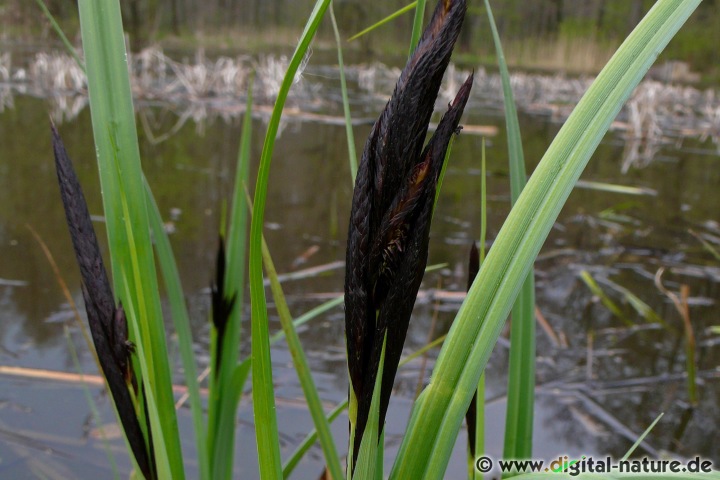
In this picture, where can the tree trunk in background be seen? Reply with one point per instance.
(134, 25)
(600, 15)
(256, 12)
(277, 12)
(521, 23)
(558, 14)
(474, 18)
(174, 19)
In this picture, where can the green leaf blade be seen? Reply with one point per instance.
(482, 314)
(127, 222)
(181, 321)
(303, 370)
(263, 392)
(417, 25)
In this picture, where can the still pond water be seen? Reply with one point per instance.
(602, 378)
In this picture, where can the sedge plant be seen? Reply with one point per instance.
(437, 415)
(389, 227)
(392, 206)
(521, 371)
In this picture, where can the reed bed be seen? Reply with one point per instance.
(658, 113)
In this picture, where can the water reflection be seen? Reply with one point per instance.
(204, 89)
(601, 382)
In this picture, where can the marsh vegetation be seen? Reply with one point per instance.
(605, 366)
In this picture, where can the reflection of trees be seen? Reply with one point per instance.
(308, 206)
(204, 90)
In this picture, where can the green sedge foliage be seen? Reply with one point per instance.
(521, 372)
(387, 19)
(113, 114)
(128, 226)
(322, 425)
(266, 432)
(352, 155)
(228, 377)
(475, 416)
(131, 216)
(438, 413)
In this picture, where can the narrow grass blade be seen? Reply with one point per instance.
(682, 307)
(380, 458)
(514, 138)
(311, 437)
(421, 351)
(642, 437)
(289, 326)
(476, 410)
(146, 403)
(367, 456)
(309, 440)
(521, 376)
(225, 344)
(604, 298)
(385, 20)
(309, 315)
(181, 321)
(352, 154)
(124, 201)
(418, 22)
(521, 371)
(640, 307)
(483, 205)
(475, 416)
(441, 177)
(614, 188)
(238, 231)
(303, 370)
(438, 415)
(223, 304)
(223, 451)
(263, 393)
(715, 253)
(68, 46)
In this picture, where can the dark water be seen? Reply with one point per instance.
(593, 403)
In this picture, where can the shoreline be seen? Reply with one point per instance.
(657, 113)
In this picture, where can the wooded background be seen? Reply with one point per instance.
(605, 22)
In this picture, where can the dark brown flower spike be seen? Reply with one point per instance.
(221, 305)
(471, 415)
(391, 212)
(108, 324)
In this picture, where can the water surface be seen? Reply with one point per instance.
(598, 389)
